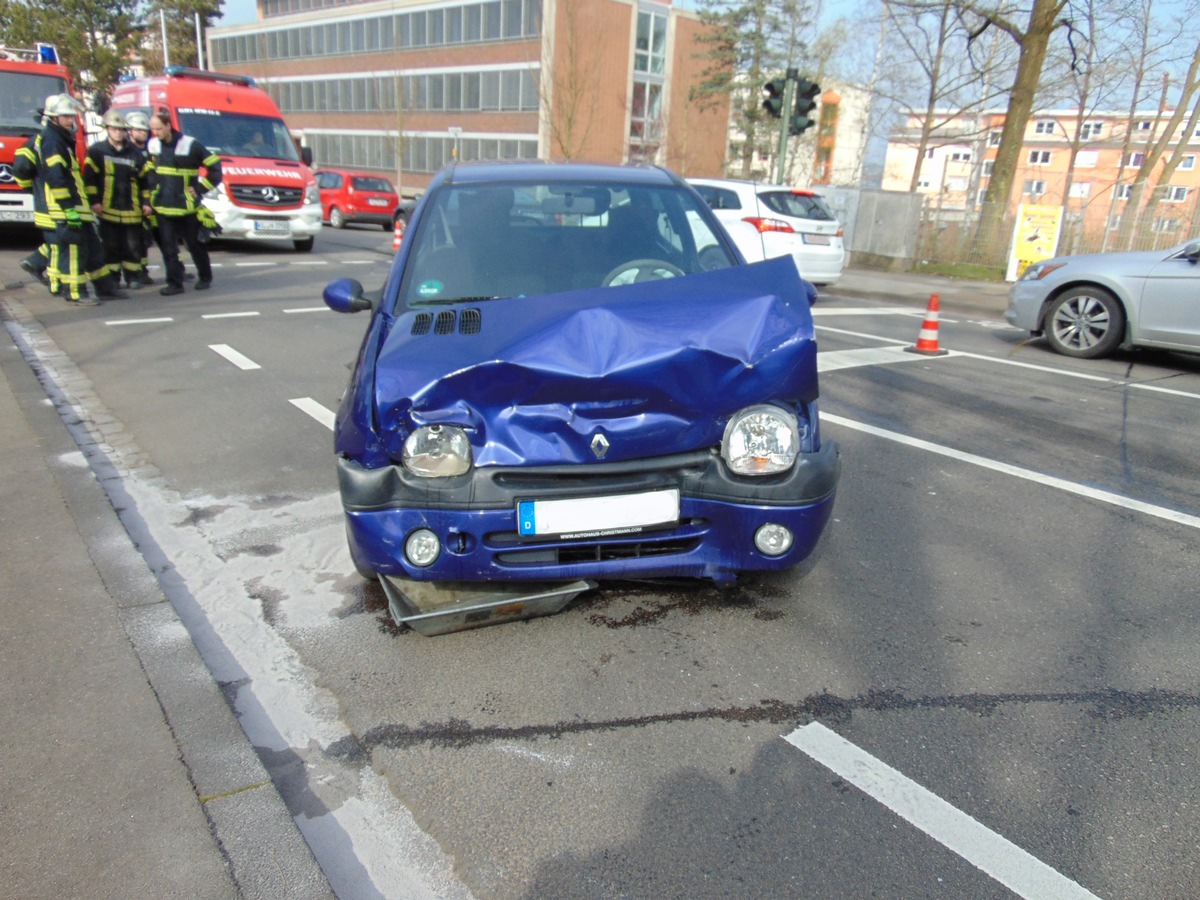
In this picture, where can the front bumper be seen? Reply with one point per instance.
(245, 223)
(1026, 300)
(475, 519)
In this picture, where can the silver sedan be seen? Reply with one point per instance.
(1088, 306)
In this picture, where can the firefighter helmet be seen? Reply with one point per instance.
(137, 120)
(62, 105)
(113, 119)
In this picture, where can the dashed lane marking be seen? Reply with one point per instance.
(139, 321)
(996, 856)
(229, 315)
(242, 362)
(307, 309)
(308, 405)
(1070, 487)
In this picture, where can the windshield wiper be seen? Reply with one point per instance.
(449, 301)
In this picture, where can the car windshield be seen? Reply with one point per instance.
(20, 94)
(236, 134)
(800, 206)
(380, 185)
(477, 241)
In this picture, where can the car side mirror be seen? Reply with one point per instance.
(346, 296)
(306, 155)
(1192, 252)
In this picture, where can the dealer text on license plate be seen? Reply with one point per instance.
(585, 517)
(817, 239)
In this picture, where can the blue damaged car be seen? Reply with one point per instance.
(571, 375)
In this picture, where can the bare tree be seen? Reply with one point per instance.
(570, 90)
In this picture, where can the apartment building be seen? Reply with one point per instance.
(405, 86)
(1085, 163)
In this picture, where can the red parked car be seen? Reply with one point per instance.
(354, 197)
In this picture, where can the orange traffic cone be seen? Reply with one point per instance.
(397, 234)
(927, 340)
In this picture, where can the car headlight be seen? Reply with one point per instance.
(437, 451)
(1040, 270)
(312, 193)
(761, 440)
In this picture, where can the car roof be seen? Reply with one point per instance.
(753, 185)
(492, 171)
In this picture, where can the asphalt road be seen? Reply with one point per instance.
(986, 687)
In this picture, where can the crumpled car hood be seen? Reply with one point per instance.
(657, 367)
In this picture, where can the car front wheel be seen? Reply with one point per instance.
(336, 219)
(1085, 322)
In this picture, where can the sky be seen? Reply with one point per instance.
(238, 12)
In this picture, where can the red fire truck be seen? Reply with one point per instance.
(27, 78)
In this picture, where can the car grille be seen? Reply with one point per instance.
(597, 551)
(253, 195)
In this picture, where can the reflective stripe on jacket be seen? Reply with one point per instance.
(176, 177)
(115, 179)
(26, 162)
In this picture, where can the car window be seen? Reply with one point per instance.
(800, 206)
(329, 180)
(718, 198)
(483, 241)
(363, 183)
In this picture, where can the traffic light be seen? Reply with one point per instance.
(773, 91)
(806, 102)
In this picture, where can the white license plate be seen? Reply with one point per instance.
(585, 517)
(19, 215)
(821, 239)
(271, 226)
(373, 202)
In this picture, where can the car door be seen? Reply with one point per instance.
(1170, 309)
(328, 183)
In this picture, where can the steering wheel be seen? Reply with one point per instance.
(641, 270)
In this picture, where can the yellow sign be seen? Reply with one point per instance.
(1035, 237)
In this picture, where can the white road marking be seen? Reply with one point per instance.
(309, 309)
(309, 262)
(1163, 390)
(248, 265)
(359, 262)
(859, 334)
(871, 356)
(234, 357)
(865, 311)
(307, 404)
(1016, 869)
(138, 321)
(1082, 490)
(229, 315)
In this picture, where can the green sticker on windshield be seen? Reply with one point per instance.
(430, 288)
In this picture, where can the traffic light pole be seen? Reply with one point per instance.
(789, 98)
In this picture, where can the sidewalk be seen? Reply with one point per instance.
(903, 287)
(123, 772)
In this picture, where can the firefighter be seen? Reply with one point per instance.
(116, 174)
(26, 161)
(177, 188)
(77, 257)
(139, 134)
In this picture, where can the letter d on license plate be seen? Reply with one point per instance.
(582, 517)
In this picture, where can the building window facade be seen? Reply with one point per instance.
(1039, 157)
(649, 67)
(465, 24)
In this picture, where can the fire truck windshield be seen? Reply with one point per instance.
(21, 94)
(236, 134)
